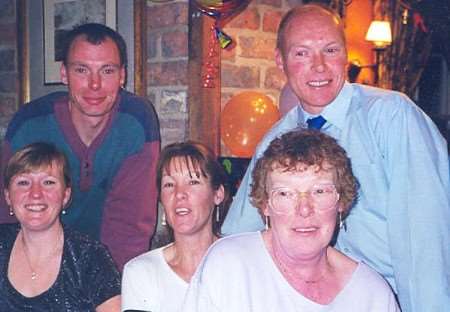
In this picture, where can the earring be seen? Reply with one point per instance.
(217, 213)
(342, 224)
(266, 223)
(11, 212)
(64, 208)
(163, 219)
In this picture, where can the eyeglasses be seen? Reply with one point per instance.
(323, 197)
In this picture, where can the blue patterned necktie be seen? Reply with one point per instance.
(316, 122)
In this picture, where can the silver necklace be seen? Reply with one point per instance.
(288, 273)
(34, 274)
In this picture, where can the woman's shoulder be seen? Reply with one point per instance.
(79, 240)
(369, 276)
(368, 291)
(237, 249)
(92, 262)
(237, 242)
(146, 260)
(81, 246)
(356, 272)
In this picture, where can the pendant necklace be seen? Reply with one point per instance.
(34, 274)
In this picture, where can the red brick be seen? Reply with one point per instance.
(271, 20)
(248, 19)
(152, 44)
(274, 3)
(275, 78)
(167, 73)
(228, 54)
(170, 14)
(239, 76)
(253, 47)
(174, 44)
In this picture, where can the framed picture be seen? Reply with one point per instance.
(60, 16)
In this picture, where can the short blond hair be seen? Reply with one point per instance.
(36, 156)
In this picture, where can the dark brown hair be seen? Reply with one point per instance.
(95, 33)
(203, 162)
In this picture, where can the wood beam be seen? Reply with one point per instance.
(203, 102)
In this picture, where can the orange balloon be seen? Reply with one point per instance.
(245, 119)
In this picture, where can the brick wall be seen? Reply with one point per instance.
(167, 52)
(8, 63)
(167, 69)
(250, 65)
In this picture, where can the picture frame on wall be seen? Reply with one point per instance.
(59, 17)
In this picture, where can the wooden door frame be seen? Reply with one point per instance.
(204, 103)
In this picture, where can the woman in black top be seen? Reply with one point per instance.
(45, 266)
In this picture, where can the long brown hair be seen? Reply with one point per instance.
(203, 162)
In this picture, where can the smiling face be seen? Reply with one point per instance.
(188, 198)
(37, 197)
(94, 76)
(305, 232)
(314, 57)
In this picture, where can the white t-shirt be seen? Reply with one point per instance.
(239, 275)
(149, 284)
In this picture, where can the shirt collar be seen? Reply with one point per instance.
(336, 111)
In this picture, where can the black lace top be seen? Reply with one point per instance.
(87, 276)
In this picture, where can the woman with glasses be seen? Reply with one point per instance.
(303, 188)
